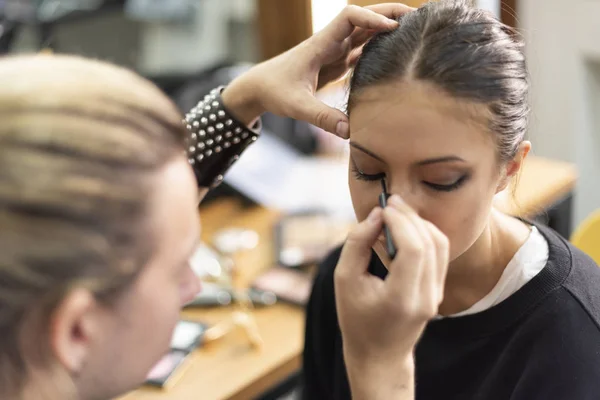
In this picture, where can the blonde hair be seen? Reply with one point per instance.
(79, 142)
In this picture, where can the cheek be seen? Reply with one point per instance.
(461, 216)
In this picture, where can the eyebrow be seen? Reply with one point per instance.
(420, 163)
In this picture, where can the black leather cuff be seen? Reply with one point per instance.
(216, 139)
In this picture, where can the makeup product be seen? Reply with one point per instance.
(187, 335)
(305, 238)
(211, 295)
(289, 285)
(165, 372)
(389, 244)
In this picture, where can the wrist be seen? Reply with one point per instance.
(380, 379)
(241, 100)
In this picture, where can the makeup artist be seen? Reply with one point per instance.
(98, 209)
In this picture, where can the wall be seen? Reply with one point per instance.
(563, 52)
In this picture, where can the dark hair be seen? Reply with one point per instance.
(462, 50)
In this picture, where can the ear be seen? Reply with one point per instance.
(73, 329)
(512, 167)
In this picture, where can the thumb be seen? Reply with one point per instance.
(356, 253)
(314, 111)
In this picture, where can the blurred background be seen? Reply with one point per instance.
(275, 211)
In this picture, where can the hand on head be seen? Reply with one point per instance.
(286, 84)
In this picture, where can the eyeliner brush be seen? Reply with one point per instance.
(391, 249)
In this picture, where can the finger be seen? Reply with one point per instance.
(443, 256)
(356, 253)
(353, 16)
(429, 285)
(354, 56)
(391, 10)
(405, 270)
(360, 37)
(314, 111)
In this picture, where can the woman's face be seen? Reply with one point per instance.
(133, 335)
(431, 152)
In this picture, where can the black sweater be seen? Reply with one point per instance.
(542, 343)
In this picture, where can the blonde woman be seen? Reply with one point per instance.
(98, 202)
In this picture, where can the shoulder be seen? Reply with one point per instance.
(582, 278)
(583, 284)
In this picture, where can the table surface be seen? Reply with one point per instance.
(230, 368)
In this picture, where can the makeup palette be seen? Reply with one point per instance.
(163, 374)
(186, 337)
(306, 238)
(288, 285)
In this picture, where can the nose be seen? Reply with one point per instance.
(402, 189)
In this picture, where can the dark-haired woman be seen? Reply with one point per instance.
(475, 304)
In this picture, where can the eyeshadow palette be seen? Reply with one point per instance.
(165, 372)
(306, 238)
(187, 335)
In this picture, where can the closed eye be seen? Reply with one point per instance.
(447, 188)
(361, 176)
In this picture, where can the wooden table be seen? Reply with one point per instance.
(230, 369)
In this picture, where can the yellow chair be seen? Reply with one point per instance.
(587, 236)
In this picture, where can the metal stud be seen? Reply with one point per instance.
(192, 149)
(215, 104)
(192, 161)
(238, 130)
(245, 135)
(196, 124)
(203, 121)
(214, 91)
(233, 160)
(228, 134)
(188, 127)
(201, 146)
(207, 108)
(226, 145)
(219, 138)
(212, 117)
(219, 126)
(236, 140)
(221, 113)
(202, 133)
(194, 136)
(254, 138)
(210, 130)
(218, 149)
(208, 152)
(200, 157)
(209, 142)
(229, 122)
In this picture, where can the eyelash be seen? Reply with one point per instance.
(440, 188)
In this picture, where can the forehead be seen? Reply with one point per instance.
(419, 120)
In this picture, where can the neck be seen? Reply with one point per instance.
(474, 274)
(46, 387)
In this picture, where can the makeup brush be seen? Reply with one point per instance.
(391, 249)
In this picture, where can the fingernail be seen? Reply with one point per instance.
(396, 200)
(342, 129)
(391, 22)
(373, 216)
